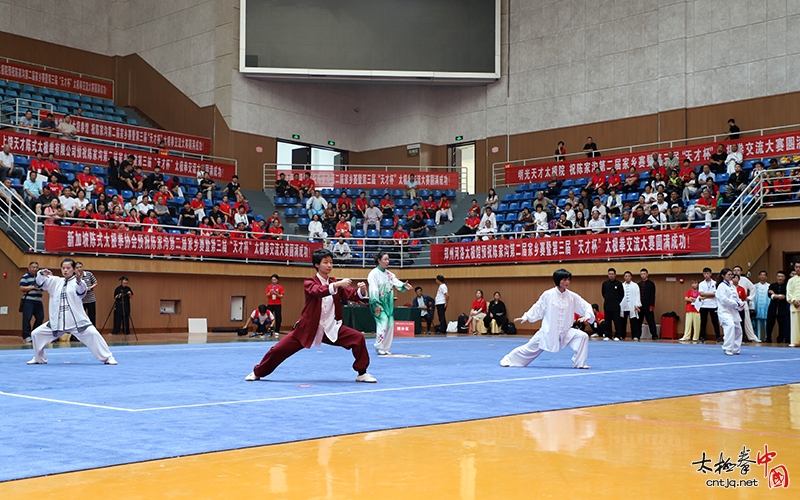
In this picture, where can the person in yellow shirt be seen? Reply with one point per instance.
(793, 297)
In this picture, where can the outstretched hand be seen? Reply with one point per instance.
(584, 319)
(47, 272)
(345, 282)
(519, 320)
(362, 286)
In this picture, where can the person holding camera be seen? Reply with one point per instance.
(122, 307)
(263, 320)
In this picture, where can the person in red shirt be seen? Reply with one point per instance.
(469, 227)
(162, 148)
(174, 186)
(220, 229)
(781, 187)
(258, 229)
(296, 183)
(53, 168)
(308, 186)
(205, 227)
(598, 180)
(430, 208)
(150, 221)
(686, 170)
(344, 205)
(276, 230)
(414, 211)
(199, 206)
(477, 313)
(401, 240)
(442, 209)
(275, 216)
(87, 181)
(164, 195)
(100, 215)
(614, 180)
(54, 185)
(361, 205)
(226, 208)
(631, 183)
(387, 206)
(240, 232)
(706, 206)
(240, 204)
(275, 293)
(39, 165)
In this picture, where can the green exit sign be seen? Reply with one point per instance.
(459, 137)
(295, 136)
(331, 143)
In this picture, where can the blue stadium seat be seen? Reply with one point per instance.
(503, 207)
(526, 204)
(303, 221)
(424, 193)
(327, 193)
(386, 222)
(373, 233)
(430, 223)
(290, 212)
(387, 233)
(111, 192)
(302, 212)
(358, 233)
(722, 178)
(291, 200)
(374, 193)
(513, 207)
(437, 193)
(614, 221)
(396, 193)
(521, 188)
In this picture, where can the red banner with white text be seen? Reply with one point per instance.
(69, 239)
(756, 147)
(375, 179)
(142, 136)
(587, 247)
(96, 154)
(56, 80)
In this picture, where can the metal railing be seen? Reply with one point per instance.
(270, 172)
(18, 219)
(50, 68)
(20, 106)
(499, 167)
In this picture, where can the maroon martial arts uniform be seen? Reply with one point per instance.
(312, 328)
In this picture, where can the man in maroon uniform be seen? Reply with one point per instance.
(321, 321)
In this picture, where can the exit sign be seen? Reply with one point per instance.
(295, 136)
(331, 143)
(459, 138)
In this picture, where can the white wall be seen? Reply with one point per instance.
(566, 62)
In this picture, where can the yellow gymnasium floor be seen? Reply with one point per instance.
(645, 450)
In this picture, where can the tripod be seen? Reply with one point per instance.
(125, 319)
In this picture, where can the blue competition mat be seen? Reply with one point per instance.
(171, 400)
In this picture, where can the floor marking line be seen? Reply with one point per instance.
(75, 403)
(581, 373)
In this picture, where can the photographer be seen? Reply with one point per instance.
(264, 321)
(122, 307)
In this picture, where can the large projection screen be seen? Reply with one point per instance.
(402, 40)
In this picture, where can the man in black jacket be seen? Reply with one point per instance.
(647, 291)
(612, 297)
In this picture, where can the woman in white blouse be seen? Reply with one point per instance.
(315, 230)
(492, 200)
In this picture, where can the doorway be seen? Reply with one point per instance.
(463, 155)
(297, 156)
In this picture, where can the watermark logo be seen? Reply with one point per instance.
(777, 476)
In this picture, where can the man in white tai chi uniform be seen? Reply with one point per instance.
(66, 315)
(556, 308)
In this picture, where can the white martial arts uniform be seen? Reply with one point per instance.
(747, 327)
(557, 311)
(381, 282)
(67, 316)
(792, 294)
(728, 307)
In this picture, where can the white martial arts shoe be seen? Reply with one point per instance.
(506, 362)
(594, 335)
(606, 339)
(790, 345)
(252, 377)
(728, 353)
(617, 339)
(381, 352)
(34, 362)
(366, 377)
(111, 361)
